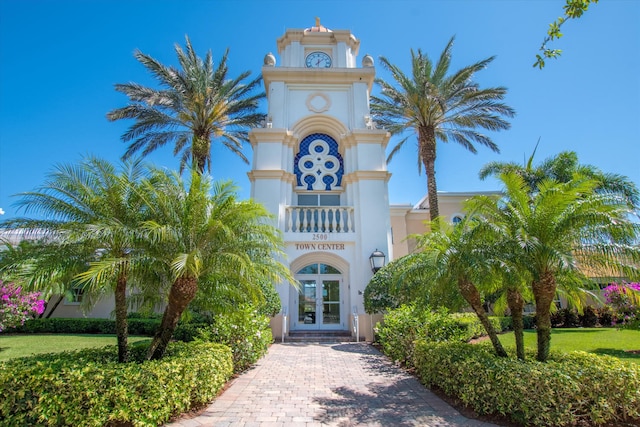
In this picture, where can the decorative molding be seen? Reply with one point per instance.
(270, 174)
(312, 76)
(318, 102)
(258, 135)
(366, 175)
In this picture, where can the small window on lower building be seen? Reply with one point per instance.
(76, 296)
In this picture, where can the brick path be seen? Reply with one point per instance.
(349, 384)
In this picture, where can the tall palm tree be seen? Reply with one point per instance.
(196, 105)
(439, 106)
(205, 242)
(90, 213)
(457, 256)
(553, 233)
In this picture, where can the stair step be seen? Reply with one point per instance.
(319, 336)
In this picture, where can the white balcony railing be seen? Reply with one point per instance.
(319, 219)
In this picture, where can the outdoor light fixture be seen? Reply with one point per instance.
(377, 260)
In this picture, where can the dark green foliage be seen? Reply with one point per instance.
(572, 389)
(245, 331)
(378, 295)
(137, 326)
(270, 306)
(406, 280)
(565, 318)
(589, 317)
(89, 387)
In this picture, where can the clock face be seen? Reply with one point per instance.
(318, 60)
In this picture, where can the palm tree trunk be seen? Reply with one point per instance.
(200, 149)
(182, 292)
(472, 296)
(122, 331)
(516, 307)
(544, 291)
(427, 143)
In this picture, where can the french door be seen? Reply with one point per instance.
(319, 300)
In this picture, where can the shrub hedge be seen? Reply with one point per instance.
(569, 390)
(245, 331)
(89, 388)
(137, 326)
(404, 325)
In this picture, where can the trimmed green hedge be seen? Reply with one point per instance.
(408, 323)
(89, 388)
(570, 389)
(136, 326)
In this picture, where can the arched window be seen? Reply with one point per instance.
(318, 165)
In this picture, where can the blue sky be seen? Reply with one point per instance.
(59, 61)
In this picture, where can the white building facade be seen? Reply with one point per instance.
(319, 167)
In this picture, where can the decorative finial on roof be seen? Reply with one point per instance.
(318, 28)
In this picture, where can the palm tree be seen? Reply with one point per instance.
(457, 255)
(562, 167)
(439, 106)
(558, 230)
(205, 242)
(90, 213)
(196, 105)
(509, 280)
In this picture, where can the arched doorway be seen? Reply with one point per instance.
(319, 303)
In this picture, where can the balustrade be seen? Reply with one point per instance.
(319, 219)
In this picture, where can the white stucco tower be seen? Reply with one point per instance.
(319, 167)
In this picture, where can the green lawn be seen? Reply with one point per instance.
(12, 346)
(609, 341)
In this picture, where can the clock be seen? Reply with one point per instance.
(318, 60)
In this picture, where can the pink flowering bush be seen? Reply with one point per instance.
(624, 298)
(16, 307)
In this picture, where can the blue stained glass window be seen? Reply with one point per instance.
(318, 165)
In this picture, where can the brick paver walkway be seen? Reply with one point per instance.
(349, 384)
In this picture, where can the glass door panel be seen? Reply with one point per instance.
(307, 302)
(330, 302)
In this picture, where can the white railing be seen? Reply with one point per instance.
(284, 322)
(356, 323)
(319, 219)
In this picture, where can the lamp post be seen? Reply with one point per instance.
(377, 260)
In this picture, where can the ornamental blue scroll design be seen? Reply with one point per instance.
(318, 165)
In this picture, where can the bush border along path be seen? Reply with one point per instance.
(571, 389)
(89, 388)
